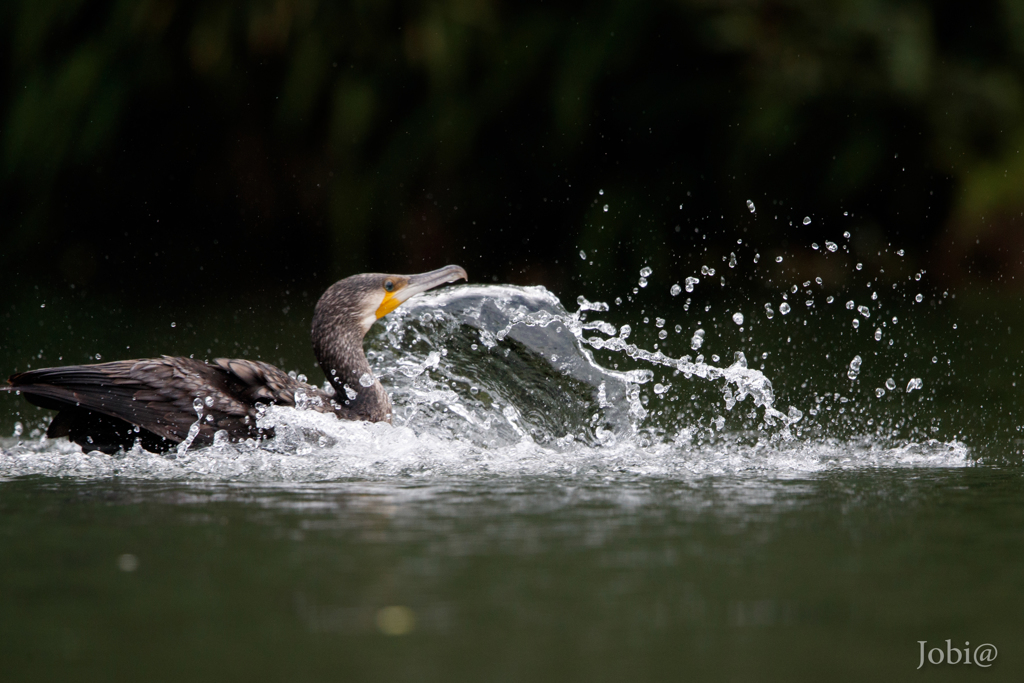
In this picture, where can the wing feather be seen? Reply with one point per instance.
(159, 394)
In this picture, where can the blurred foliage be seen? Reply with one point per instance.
(162, 148)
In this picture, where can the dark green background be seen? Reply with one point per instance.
(153, 149)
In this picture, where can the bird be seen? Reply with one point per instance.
(162, 402)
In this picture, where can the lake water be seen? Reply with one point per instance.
(767, 492)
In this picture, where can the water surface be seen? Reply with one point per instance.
(715, 490)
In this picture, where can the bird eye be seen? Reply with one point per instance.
(389, 286)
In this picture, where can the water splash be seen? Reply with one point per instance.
(312, 447)
(501, 380)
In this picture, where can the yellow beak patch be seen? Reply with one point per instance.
(390, 303)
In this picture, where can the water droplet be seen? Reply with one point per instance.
(98, 357)
(831, 246)
(659, 322)
(859, 266)
(807, 220)
(737, 318)
(784, 308)
(366, 379)
(878, 334)
(642, 282)
(618, 301)
(690, 282)
(768, 311)
(662, 334)
(606, 208)
(674, 291)
(750, 205)
(19, 429)
(42, 305)
(879, 392)
(697, 340)
(174, 324)
(890, 384)
(208, 401)
(856, 323)
(659, 388)
(854, 367)
(850, 305)
(732, 260)
(600, 192)
(645, 272)
(864, 311)
(814, 246)
(757, 257)
(809, 303)
(678, 329)
(829, 299)
(919, 298)
(583, 255)
(778, 259)
(846, 234)
(474, 391)
(899, 253)
(915, 383)
(935, 359)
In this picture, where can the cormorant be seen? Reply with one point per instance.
(156, 401)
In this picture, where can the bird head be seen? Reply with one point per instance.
(365, 298)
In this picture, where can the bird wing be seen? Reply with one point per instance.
(264, 383)
(157, 394)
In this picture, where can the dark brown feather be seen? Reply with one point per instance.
(158, 395)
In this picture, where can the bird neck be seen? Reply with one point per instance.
(343, 361)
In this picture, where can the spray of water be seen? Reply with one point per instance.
(489, 379)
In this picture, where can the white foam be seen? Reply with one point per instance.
(312, 447)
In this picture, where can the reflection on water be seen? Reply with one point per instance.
(832, 575)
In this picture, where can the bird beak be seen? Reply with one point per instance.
(415, 284)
